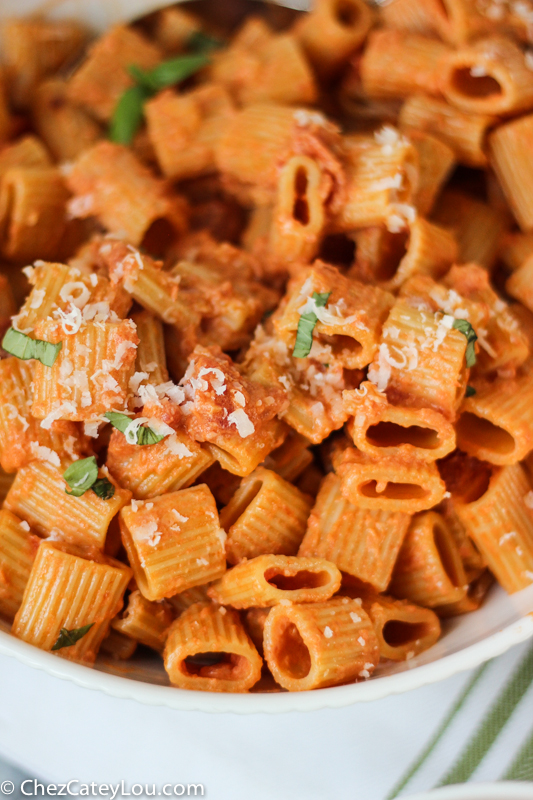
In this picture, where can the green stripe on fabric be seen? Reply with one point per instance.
(492, 724)
(439, 733)
(522, 767)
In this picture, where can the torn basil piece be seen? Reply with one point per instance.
(82, 475)
(306, 326)
(128, 115)
(467, 330)
(24, 347)
(137, 434)
(470, 391)
(68, 638)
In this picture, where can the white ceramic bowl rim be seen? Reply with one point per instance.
(272, 703)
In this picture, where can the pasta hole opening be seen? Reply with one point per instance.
(220, 665)
(478, 87)
(394, 250)
(448, 556)
(291, 653)
(159, 237)
(343, 345)
(338, 249)
(300, 210)
(481, 432)
(389, 434)
(398, 632)
(393, 491)
(346, 14)
(303, 579)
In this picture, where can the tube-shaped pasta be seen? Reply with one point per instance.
(387, 483)
(248, 154)
(27, 152)
(381, 429)
(70, 588)
(420, 361)
(291, 458)
(382, 180)
(254, 622)
(6, 481)
(520, 283)
(403, 629)
(117, 646)
(18, 548)
(174, 542)
(266, 515)
(151, 357)
(429, 570)
(496, 424)
(489, 76)
(22, 439)
(516, 248)
(91, 373)
(145, 622)
(466, 133)
(269, 579)
(508, 143)
(436, 161)
(260, 66)
(349, 323)
(477, 227)
(150, 470)
(184, 600)
(32, 213)
(110, 183)
(209, 650)
(499, 519)
(299, 217)
(320, 644)
(332, 32)
(359, 541)
(186, 128)
(427, 17)
(397, 64)
(174, 27)
(34, 48)
(66, 129)
(38, 496)
(103, 76)
(473, 599)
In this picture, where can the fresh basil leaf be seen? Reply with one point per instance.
(306, 326)
(121, 422)
(204, 43)
(467, 330)
(470, 391)
(173, 71)
(24, 347)
(81, 475)
(103, 488)
(128, 115)
(68, 638)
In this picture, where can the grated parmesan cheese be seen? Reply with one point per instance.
(328, 633)
(177, 448)
(42, 453)
(242, 422)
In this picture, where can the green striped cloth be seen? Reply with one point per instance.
(486, 734)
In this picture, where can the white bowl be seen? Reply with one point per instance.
(503, 621)
(506, 790)
(468, 641)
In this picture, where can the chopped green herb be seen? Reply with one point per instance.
(68, 638)
(24, 347)
(128, 115)
(470, 391)
(82, 475)
(204, 43)
(103, 489)
(142, 435)
(467, 330)
(129, 111)
(306, 326)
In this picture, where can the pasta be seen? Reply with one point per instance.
(266, 310)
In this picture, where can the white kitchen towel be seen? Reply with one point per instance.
(483, 721)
